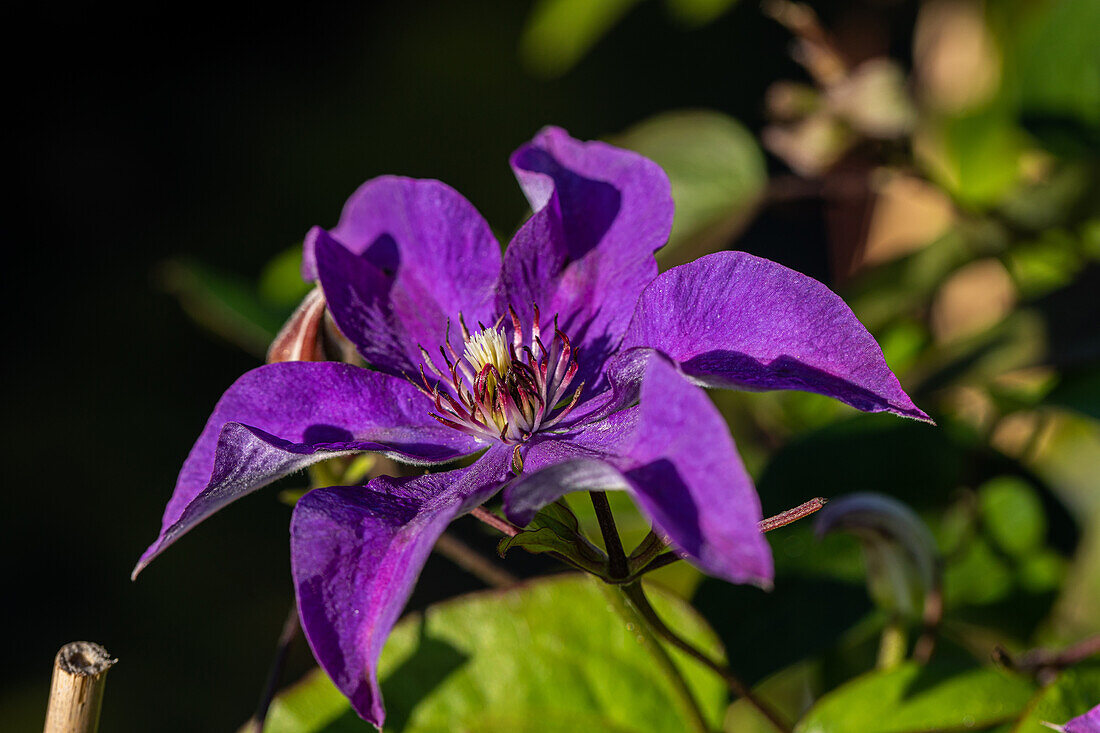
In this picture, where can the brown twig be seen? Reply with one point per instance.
(792, 515)
(76, 691)
(1045, 664)
(473, 562)
(499, 524)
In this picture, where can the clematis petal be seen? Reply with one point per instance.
(734, 320)
(587, 252)
(426, 255)
(282, 417)
(674, 453)
(1087, 723)
(356, 553)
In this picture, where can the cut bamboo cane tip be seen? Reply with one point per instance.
(76, 691)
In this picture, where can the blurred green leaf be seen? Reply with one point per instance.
(226, 305)
(1054, 60)
(559, 32)
(698, 12)
(717, 173)
(1078, 390)
(977, 577)
(1012, 515)
(547, 656)
(281, 280)
(1075, 692)
(912, 699)
(975, 157)
(1044, 265)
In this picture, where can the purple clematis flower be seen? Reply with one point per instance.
(569, 360)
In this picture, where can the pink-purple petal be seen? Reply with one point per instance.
(734, 320)
(1087, 723)
(674, 453)
(600, 213)
(356, 553)
(280, 418)
(427, 256)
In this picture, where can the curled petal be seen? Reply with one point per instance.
(356, 553)
(674, 453)
(587, 251)
(426, 255)
(734, 320)
(282, 417)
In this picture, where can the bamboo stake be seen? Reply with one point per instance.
(76, 692)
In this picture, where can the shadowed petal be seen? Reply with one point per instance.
(356, 553)
(734, 320)
(426, 255)
(280, 418)
(587, 252)
(674, 453)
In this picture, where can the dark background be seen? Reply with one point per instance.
(224, 134)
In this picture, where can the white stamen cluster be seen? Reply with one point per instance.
(501, 390)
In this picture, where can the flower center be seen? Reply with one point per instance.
(498, 389)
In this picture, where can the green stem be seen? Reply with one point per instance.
(636, 623)
(616, 556)
(638, 598)
(893, 644)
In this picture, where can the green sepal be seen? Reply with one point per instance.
(556, 529)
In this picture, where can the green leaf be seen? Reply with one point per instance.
(547, 656)
(559, 32)
(556, 529)
(223, 304)
(1074, 693)
(717, 173)
(1013, 515)
(698, 12)
(912, 699)
(281, 280)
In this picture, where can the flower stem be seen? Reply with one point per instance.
(290, 631)
(616, 556)
(638, 599)
(637, 623)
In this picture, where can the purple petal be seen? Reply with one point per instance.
(734, 320)
(674, 453)
(1087, 723)
(426, 256)
(587, 252)
(356, 553)
(280, 418)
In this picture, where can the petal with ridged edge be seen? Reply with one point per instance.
(280, 418)
(734, 320)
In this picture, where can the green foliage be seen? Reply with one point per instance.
(560, 32)
(717, 173)
(547, 656)
(1012, 515)
(913, 699)
(1075, 692)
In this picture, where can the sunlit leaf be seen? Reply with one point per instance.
(547, 656)
(914, 699)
